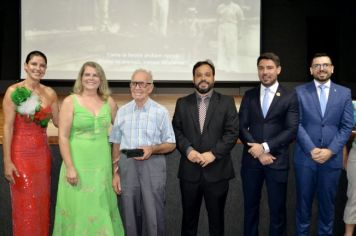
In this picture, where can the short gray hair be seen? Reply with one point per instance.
(147, 72)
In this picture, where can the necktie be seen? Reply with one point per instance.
(322, 99)
(202, 113)
(265, 102)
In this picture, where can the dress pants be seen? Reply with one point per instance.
(276, 183)
(214, 194)
(143, 195)
(323, 182)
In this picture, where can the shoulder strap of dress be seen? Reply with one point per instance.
(75, 99)
(107, 106)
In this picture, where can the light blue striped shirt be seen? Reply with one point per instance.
(146, 126)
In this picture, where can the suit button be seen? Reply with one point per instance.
(322, 126)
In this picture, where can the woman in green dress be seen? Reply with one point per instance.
(86, 202)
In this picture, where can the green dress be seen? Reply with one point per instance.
(90, 207)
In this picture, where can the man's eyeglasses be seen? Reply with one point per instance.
(319, 66)
(140, 84)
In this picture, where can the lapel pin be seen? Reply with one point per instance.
(278, 94)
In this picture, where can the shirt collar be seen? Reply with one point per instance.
(273, 88)
(327, 84)
(207, 95)
(145, 107)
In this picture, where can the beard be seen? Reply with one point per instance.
(322, 79)
(203, 90)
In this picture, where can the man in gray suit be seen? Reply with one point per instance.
(141, 135)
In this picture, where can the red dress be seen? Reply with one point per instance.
(30, 194)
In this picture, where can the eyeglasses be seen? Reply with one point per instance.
(319, 66)
(140, 84)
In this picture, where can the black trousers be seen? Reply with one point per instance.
(214, 194)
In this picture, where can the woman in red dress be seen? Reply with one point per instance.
(28, 106)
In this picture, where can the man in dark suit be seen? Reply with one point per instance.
(206, 128)
(268, 124)
(325, 125)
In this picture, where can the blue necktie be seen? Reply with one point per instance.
(265, 102)
(323, 100)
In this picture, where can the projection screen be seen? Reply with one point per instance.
(164, 36)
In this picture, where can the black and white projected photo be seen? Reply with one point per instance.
(164, 36)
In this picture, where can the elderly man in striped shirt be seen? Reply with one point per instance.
(141, 135)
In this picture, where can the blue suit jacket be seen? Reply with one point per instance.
(331, 131)
(278, 129)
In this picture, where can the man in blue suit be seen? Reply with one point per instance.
(268, 124)
(325, 125)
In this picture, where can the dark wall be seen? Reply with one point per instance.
(10, 40)
(294, 29)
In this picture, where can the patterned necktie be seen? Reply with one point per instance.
(202, 113)
(265, 102)
(322, 99)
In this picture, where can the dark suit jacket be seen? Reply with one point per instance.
(219, 135)
(331, 131)
(278, 129)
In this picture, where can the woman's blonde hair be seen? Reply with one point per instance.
(103, 90)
